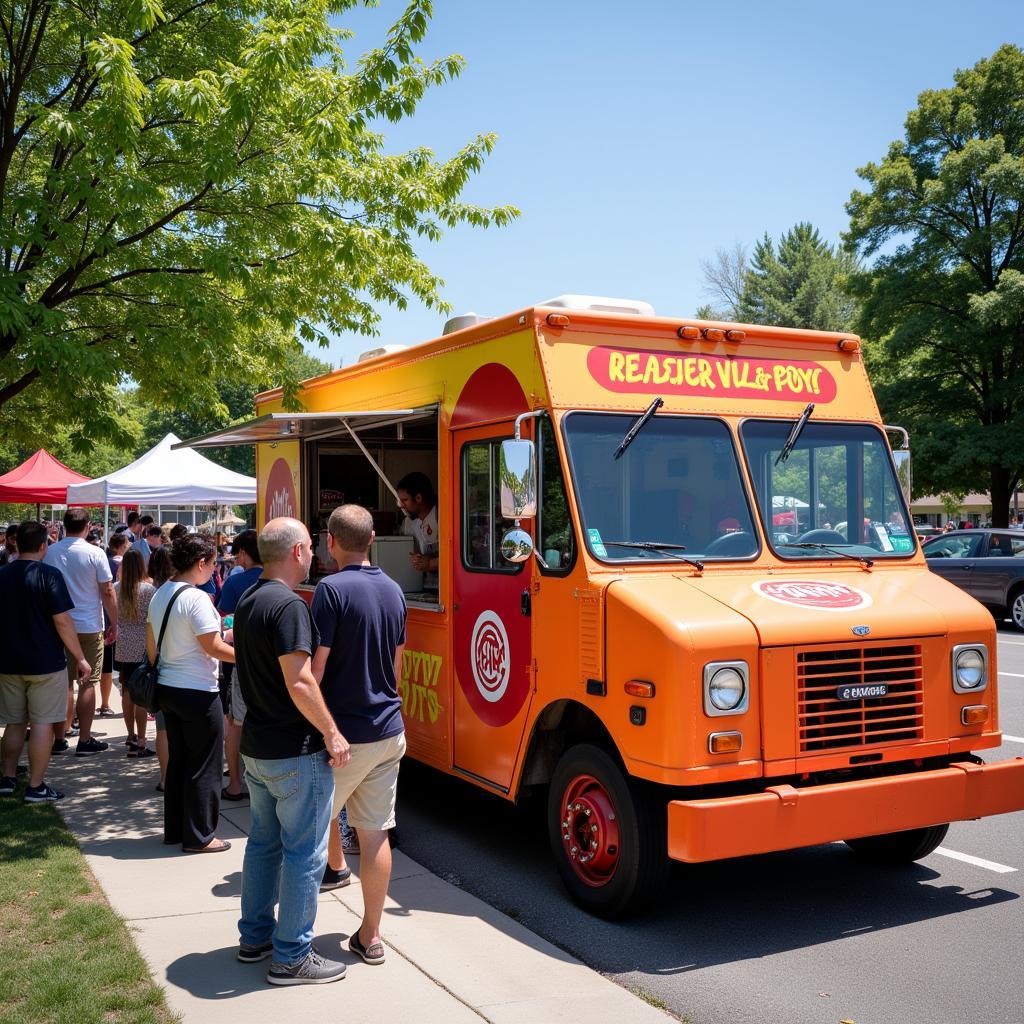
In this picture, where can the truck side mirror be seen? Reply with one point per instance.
(901, 457)
(516, 546)
(518, 480)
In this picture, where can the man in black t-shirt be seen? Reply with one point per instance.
(360, 613)
(289, 744)
(33, 663)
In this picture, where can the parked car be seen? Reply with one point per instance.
(988, 564)
(924, 531)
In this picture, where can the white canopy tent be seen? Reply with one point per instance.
(166, 476)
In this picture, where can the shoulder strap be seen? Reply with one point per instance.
(167, 615)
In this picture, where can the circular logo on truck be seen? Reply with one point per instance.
(280, 496)
(490, 657)
(820, 595)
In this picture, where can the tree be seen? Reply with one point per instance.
(945, 306)
(801, 283)
(725, 277)
(237, 403)
(185, 184)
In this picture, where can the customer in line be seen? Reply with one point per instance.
(189, 697)
(134, 592)
(160, 571)
(33, 662)
(289, 745)
(359, 613)
(90, 583)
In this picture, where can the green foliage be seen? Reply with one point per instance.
(186, 185)
(802, 282)
(944, 298)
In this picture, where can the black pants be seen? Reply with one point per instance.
(195, 744)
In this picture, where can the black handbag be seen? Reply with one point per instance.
(142, 682)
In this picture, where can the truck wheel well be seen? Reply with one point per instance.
(562, 724)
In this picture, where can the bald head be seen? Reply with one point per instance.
(279, 539)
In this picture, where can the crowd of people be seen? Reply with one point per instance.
(300, 701)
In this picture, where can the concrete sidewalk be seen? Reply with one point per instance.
(451, 957)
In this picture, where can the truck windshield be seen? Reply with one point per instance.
(676, 488)
(836, 494)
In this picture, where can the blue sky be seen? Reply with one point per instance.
(639, 138)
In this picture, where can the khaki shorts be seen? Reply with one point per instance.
(41, 700)
(368, 785)
(237, 705)
(92, 648)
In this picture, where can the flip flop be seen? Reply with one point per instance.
(225, 845)
(225, 795)
(374, 955)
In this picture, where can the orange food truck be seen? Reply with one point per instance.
(678, 586)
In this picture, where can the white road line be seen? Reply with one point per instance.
(978, 862)
(1013, 675)
(1012, 739)
(1010, 643)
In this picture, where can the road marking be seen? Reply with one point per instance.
(978, 862)
(1010, 643)
(1013, 675)
(1012, 739)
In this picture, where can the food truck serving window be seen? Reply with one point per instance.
(835, 492)
(675, 489)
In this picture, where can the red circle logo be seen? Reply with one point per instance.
(280, 499)
(490, 654)
(821, 595)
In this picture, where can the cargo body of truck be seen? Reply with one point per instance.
(688, 600)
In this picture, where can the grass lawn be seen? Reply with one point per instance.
(67, 957)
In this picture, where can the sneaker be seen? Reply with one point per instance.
(42, 794)
(335, 879)
(314, 970)
(59, 747)
(72, 732)
(90, 746)
(7, 785)
(254, 954)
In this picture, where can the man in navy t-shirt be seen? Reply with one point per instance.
(360, 615)
(33, 663)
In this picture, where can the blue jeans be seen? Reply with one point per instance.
(290, 800)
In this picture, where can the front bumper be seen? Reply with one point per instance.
(784, 818)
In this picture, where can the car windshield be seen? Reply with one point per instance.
(836, 492)
(954, 545)
(676, 488)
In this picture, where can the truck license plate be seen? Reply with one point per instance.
(862, 692)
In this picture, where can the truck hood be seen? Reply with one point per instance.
(804, 606)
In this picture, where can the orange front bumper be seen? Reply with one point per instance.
(784, 818)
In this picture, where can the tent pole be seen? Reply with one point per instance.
(106, 520)
(39, 511)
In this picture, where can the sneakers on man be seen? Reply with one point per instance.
(42, 794)
(59, 747)
(8, 785)
(314, 970)
(254, 954)
(90, 746)
(335, 879)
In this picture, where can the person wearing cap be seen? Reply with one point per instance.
(246, 552)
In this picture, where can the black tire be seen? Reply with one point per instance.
(641, 869)
(899, 847)
(1016, 608)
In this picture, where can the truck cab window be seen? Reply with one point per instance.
(556, 539)
(482, 522)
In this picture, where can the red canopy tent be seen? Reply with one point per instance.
(40, 479)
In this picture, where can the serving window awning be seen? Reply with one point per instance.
(304, 426)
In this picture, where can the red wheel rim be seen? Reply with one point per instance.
(590, 830)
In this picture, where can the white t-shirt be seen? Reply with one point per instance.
(183, 663)
(84, 568)
(424, 531)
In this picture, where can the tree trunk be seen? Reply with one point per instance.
(1001, 493)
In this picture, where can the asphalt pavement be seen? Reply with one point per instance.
(809, 936)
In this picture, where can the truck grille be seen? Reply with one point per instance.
(828, 723)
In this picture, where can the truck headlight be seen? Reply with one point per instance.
(970, 668)
(726, 688)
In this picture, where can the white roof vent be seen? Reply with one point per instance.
(384, 350)
(457, 323)
(601, 304)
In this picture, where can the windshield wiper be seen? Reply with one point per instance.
(867, 562)
(650, 545)
(794, 433)
(638, 426)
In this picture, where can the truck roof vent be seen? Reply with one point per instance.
(457, 323)
(383, 350)
(601, 304)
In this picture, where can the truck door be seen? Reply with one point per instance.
(491, 635)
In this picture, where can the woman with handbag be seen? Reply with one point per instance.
(188, 695)
(134, 591)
